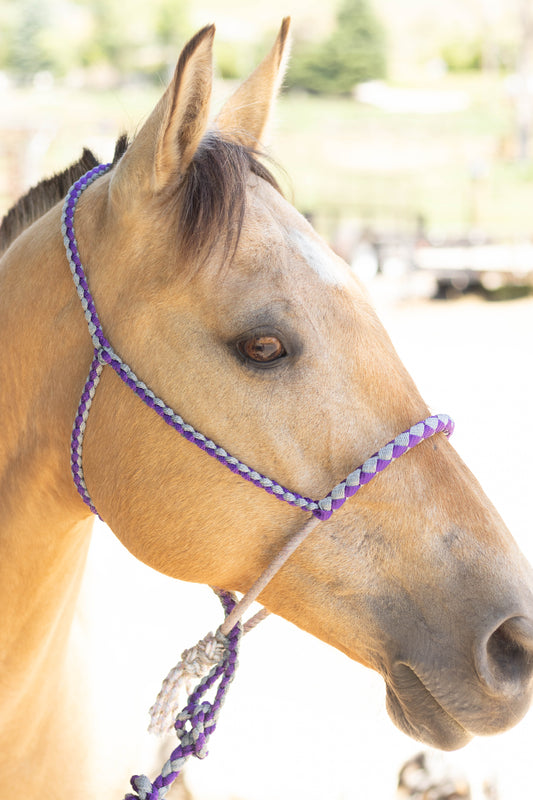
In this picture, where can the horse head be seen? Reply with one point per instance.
(222, 297)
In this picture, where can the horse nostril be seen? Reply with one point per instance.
(510, 654)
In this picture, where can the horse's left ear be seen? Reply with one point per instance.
(187, 111)
(165, 146)
(245, 116)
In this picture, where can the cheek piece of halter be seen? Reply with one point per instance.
(214, 658)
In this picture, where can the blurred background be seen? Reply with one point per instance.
(406, 127)
(406, 130)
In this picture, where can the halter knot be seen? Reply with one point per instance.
(194, 727)
(144, 788)
(101, 355)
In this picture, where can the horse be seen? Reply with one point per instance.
(216, 291)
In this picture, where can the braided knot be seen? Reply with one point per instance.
(193, 727)
(144, 788)
(198, 720)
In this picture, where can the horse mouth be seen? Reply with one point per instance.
(417, 712)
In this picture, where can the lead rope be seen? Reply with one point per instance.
(214, 658)
(197, 721)
(197, 660)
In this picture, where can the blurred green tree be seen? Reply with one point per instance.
(134, 38)
(24, 53)
(62, 35)
(463, 55)
(171, 20)
(355, 52)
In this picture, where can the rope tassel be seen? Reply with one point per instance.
(197, 721)
(195, 663)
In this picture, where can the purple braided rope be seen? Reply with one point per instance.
(79, 429)
(382, 459)
(105, 354)
(195, 724)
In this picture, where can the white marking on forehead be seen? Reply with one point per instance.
(324, 263)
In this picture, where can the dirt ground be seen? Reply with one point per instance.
(302, 721)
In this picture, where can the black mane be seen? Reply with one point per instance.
(211, 200)
(41, 198)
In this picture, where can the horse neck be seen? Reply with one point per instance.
(44, 530)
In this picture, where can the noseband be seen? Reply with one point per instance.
(197, 715)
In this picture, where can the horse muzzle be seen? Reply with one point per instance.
(446, 706)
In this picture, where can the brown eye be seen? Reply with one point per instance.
(262, 349)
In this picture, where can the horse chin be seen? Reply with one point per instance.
(416, 712)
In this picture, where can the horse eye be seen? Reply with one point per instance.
(262, 349)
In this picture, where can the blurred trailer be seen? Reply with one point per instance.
(466, 265)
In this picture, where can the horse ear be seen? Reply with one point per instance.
(166, 144)
(189, 97)
(245, 116)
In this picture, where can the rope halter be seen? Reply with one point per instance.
(216, 653)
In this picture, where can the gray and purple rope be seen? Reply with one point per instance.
(197, 721)
(104, 354)
(195, 724)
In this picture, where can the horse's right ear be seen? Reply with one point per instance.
(245, 116)
(165, 146)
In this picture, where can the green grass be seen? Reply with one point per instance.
(349, 159)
